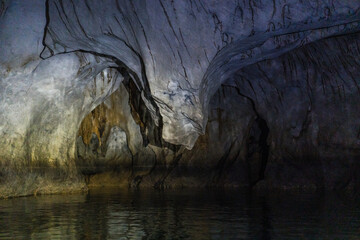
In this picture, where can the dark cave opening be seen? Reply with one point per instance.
(264, 146)
(258, 150)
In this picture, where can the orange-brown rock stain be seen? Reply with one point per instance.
(100, 120)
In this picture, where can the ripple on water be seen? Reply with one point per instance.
(119, 214)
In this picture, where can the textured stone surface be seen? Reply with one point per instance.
(125, 90)
(304, 103)
(309, 99)
(181, 51)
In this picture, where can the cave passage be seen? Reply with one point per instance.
(178, 94)
(155, 119)
(258, 148)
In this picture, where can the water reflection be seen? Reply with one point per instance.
(114, 214)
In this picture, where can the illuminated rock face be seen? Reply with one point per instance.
(182, 93)
(180, 52)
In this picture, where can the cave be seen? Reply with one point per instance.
(111, 100)
(258, 96)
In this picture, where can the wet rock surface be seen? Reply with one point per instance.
(179, 93)
(181, 52)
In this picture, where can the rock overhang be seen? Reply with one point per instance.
(181, 52)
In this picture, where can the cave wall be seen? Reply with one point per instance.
(214, 155)
(309, 98)
(180, 52)
(43, 101)
(110, 146)
(289, 122)
(179, 93)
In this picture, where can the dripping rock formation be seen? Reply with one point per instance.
(260, 94)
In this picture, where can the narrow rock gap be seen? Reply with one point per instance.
(264, 146)
(259, 142)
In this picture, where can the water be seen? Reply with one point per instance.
(115, 214)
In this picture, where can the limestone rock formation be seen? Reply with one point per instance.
(179, 93)
(180, 52)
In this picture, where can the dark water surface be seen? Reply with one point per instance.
(190, 214)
